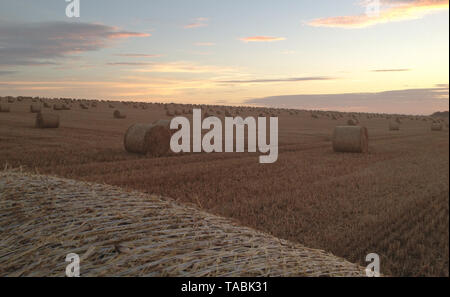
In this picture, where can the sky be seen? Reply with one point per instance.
(346, 55)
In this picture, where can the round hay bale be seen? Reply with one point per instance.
(352, 139)
(47, 120)
(164, 123)
(117, 114)
(352, 122)
(147, 139)
(4, 108)
(436, 127)
(35, 108)
(394, 126)
(57, 106)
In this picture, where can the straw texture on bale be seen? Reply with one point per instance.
(4, 108)
(47, 120)
(35, 108)
(119, 114)
(352, 139)
(147, 139)
(123, 233)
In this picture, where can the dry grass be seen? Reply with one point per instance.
(392, 201)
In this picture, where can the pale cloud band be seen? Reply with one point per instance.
(275, 80)
(390, 11)
(261, 39)
(410, 101)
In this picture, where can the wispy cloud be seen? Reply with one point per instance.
(204, 44)
(197, 23)
(389, 11)
(44, 43)
(128, 63)
(7, 72)
(139, 55)
(392, 70)
(261, 39)
(185, 67)
(275, 80)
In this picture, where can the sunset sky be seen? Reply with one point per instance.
(327, 54)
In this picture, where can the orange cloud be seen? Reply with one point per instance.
(262, 39)
(128, 34)
(389, 12)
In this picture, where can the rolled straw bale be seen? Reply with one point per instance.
(394, 126)
(164, 123)
(117, 114)
(352, 139)
(35, 108)
(352, 122)
(147, 139)
(57, 106)
(4, 108)
(47, 120)
(436, 127)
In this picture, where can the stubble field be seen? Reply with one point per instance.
(393, 201)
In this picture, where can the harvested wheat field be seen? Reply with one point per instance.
(127, 233)
(392, 200)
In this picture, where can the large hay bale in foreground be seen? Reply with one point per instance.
(394, 126)
(117, 114)
(35, 108)
(352, 139)
(47, 120)
(4, 108)
(436, 127)
(139, 235)
(147, 139)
